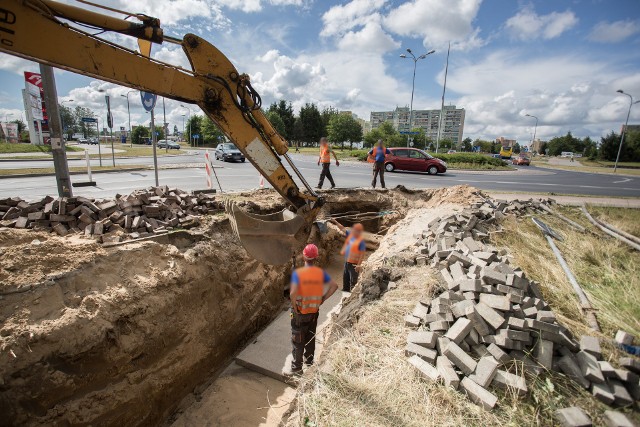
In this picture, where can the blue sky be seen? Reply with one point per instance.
(559, 60)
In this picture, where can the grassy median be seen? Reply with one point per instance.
(20, 147)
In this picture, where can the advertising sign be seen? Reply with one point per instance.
(33, 85)
(10, 131)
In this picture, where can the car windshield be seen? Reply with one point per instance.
(427, 155)
(229, 147)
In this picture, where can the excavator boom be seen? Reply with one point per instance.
(44, 31)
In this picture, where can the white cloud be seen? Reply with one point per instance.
(566, 92)
(17, 65)
(437, 22)
(371, 38)
(528, 25)
(614, 32)
(339, 19)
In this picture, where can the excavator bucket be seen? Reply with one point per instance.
(271, 239)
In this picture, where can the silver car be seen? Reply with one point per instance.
(228, 152)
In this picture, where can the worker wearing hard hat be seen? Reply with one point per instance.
(307, 294)
(353, 249)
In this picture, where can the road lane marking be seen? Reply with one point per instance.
(624, 180)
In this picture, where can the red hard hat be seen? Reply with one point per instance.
(310, 251)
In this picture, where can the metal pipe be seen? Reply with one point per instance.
(610, 232)
(584, 300)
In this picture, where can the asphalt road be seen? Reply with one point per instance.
(243, 176)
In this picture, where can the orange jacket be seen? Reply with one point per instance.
(355, 254)
(325, 154)
(310, 289)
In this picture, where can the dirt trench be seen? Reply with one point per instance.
(119, 336)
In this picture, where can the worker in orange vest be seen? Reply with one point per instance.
(353, 249)
(325, 159)
(378, 152)
(307, 295)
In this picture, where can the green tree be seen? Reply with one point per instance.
(388, 134)
(326, 115)
(466, 144)
(211, 133)
(557, 145)
(485, 146)
(285, 111)
(343, 127)
(68, 120)
(175, 129)
(139, 134)
(276, 122)
(630, 151)
(159, 133)
(446, 144)
(311, 121)
(517, 148)
(193, 127)
(86, 129)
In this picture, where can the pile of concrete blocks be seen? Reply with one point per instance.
(489, 322)
(142, 213)
(576, 417)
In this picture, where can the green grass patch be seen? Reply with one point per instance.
(8, 148)
(45, 171)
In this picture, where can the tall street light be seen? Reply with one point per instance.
(413, 85)
(189, 122)
(129, 113)
(535, 129)
(183, 125)
(624, 130)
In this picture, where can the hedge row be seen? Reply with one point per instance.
(477, 159)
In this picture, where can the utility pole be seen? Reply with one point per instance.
(55, 132)
(154, 143)
(444, 89)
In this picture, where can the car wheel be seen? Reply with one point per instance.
(243, 160)
(389, 167)
(432, 170)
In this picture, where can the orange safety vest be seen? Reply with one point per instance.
(310, 289)
(355, 254)
(325, 154)
(376, 148)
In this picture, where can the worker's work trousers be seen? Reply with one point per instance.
(378, 168)
(326, 172)
(349, 277)
(303, 339)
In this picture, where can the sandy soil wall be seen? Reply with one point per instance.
(117, 336)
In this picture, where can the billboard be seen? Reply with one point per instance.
(10, 131)
(33, 84)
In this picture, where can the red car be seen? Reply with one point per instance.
(521, 160)
(412, 159)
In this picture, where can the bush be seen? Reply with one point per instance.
(470, 158)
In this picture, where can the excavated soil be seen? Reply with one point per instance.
(119, 336)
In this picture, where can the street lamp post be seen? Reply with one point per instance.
(183, 125)
(189, 122)
(129, 113)
(535, 129)
(624, 130)
(413, 84)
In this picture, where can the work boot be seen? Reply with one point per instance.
(333, 186)
(292, 372)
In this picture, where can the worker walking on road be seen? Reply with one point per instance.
(378, 152)
(307, 294)
(325, 158)
(353, 249)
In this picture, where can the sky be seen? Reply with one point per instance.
(561, 60)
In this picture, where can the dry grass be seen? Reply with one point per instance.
(364, 379)
(608, 271)
(622, 218)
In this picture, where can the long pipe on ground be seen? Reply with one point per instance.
(631, 243)
(564, 218)
(589, 311)
(623, 233)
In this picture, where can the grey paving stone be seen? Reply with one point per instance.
(478, 394)
(573, 417)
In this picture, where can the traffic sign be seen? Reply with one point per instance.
(148, 100)
(110, 120)
(404, 132)
(89, 120)
(196, 136)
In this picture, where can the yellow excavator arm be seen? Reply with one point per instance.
(52, 33)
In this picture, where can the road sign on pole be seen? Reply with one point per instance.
(148, 100)
(89, 120)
